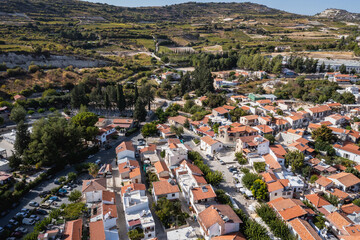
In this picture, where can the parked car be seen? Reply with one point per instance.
(33, 204)
(98, 161)
(14, 222)
(28, 221)
(44, 194)
(90, 156)
(21, 229)
(17, 234)
(25, 210)
(35, 217)
(54, 198)
(21, 215)
(222, 162)
(62, 190)
(41, 211)
(9, 226)
(60, 194)
(67, 188)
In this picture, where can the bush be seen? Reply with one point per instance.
(52, 109)
(41, 110)
(259, 167)
(162, 154)
(314, 178)
(33, 68)
(196, 141)
(249, 179)
(31, 112)
(240, 158)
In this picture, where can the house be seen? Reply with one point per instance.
(345, 181)
(73, 230)
(278, 153)
(129, 171)
(148, 150)
(199, 101)
(336, 119)
(125, 149)
(249, 120)
(170, 76)
(338, 222)
(201, 195)
(323, 183)
(288, 208)
(133, 187)
(178, 120)
(165, 189)
(92, 190)
(271, 163)
(229, 134)
(218, 220)
(97, 230)
(264, 129)
(231, 236)
(239, 98)
(279, 189)
(348, 150)
(350, 208)
(105, 133)
(303, 230)
(209, 145)
(319, 112)
(162, 171)
(124, 124)
(252, 145)
(5, 177)
(296, 121)
(220, 111)
(19, 97)
(106, 213)
(165, 131)
(175, 153)
(319, 203)
(50, 234)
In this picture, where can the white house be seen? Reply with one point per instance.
(175, 153)
(218, 220)
(251, 145)
(93, 189)
(104, 133)
(345, 181)
(125, 149)
(336, 119)
(105, 212)
(165, 189)
(348, 150)
(209, 145)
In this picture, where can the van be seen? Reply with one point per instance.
(28, 221)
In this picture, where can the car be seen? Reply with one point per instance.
(54, 198)
(62, 190)
(90, 156)
(44, 194)
(34, 204)
(14, 222)
(9, 226)
(222, 162)
(17, 234)
(35, 217)
(68, 188)
(2, 230)
(28, 221)
(137, 155)
(20, 215)
(57, 182)
(41, 211)
(60, 194)
(98, 161)
(21, 229)
(25, 210)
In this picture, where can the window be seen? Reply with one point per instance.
(173, 195)
(275, 194)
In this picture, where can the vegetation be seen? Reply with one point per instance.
(294, 159)
(259, 189)
(169, 213)
(249, 179)
(149, 129)
(260, 167)
(75, 196)
(136, 234)
(240, 158)
(212, 177)
(323, 134)
(334, 200)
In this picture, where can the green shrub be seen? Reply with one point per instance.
(52, 109)
(31, 112)
(41, 110)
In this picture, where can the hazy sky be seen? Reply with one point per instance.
(309, 7)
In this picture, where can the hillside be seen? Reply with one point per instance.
(40, 9)
(339, 15)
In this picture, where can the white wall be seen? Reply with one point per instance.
(126, 153)
(95, 196)
(351, 156)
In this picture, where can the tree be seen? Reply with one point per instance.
(85, 119)
(270, 137)
(136, 234)
(240, 158)
(140, 111)
(71, 176)
(295, 159)
(22, 138)
(260, 167)
(249, 179)
(323, 134)
(177, 130)
(73, 211)
(14, 161)
(75, 196)
(147, 94)
(187, 124)
(120, 98)
(149, 129)
(18, 114)
(214, 178)
(342, 69)
(202, 79)
(107, 102)
(314, 178)
(93, 169)
(259, 189)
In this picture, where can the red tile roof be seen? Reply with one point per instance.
(203, 192)
(304, 229)
(73, 230)
(133, 187)
(97, 231)
(125, 146)
(164, 187)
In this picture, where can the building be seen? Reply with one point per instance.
(130, 172)
(175, 153)
(125, 149)
(218, 220)
(345, 181)
(162, 171)
(178, 120)
(249, 120)
(201, 196)
(252, 145)
(303, 230)
(348, 150)
(209, 145)
(164, 189)
(92, 190)
(229, 134)
(73, 230)
(319, 112)
(323, 183)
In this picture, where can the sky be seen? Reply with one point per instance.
(307, 7)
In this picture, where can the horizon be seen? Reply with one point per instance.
(298, 7)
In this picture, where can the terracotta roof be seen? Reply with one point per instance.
(164, 187)
(231, 236)
(278, 150)
(173, 140)
(227, 107)
(251, 140)
(317, 200)
(221, 110)
(274, 186)
(73, 230)
(150, 148)
(203, 98)
(269, 160)
(338, 193)
(108, 196)
(19, 97)
(353, 230)
(94, 185)
(127, 166)
(97, 231)
(319, 109)
(304, 229)
(203, 192)
(268, 177)
(193, 168)
(213, 215)
(349, 147)
(110, 209)
(281, 122)
(199, 179)
(323, 181)
(208, 140)
(357, 167)
(265, 128)
(123, 121)
(347, 179)
(338, 220)
(178, 119)
(314, 161)
(288, 208)
(134, 173)
(350, 208)
(133, 187)
(125, 146)
(160, 166)
(250, 117)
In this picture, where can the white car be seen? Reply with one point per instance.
(21, 229)
(67, 188)
(36, 218)
(28, 221)
(98, 161)
(90, 156)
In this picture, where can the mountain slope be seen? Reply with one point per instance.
(339, 14)
(38, 9)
